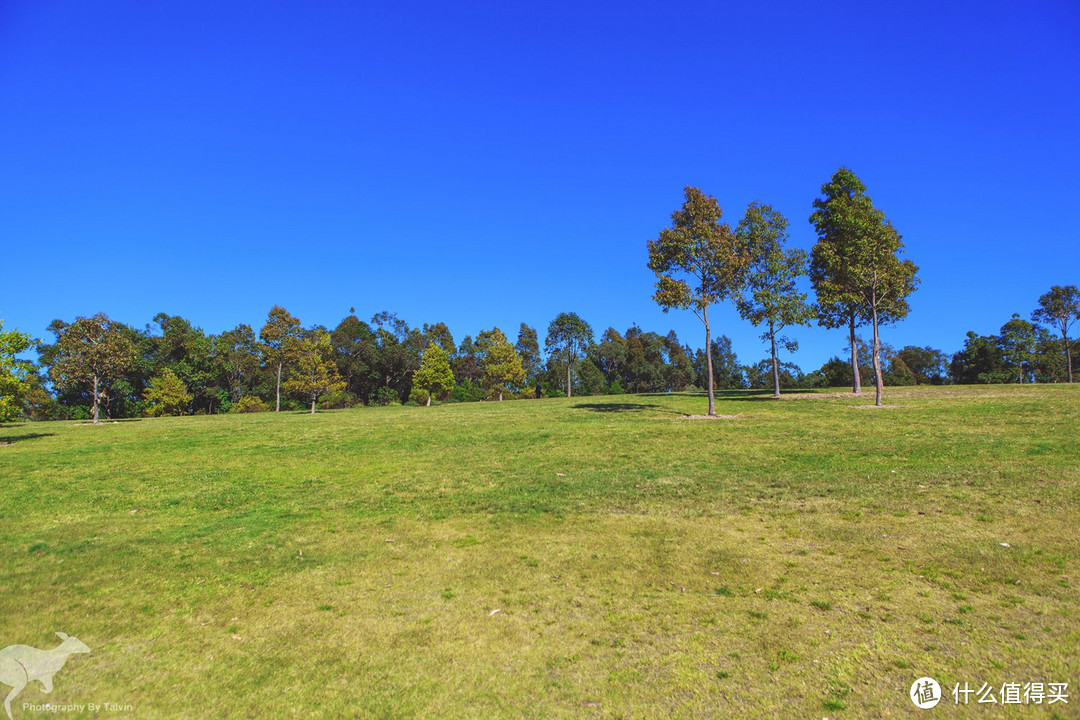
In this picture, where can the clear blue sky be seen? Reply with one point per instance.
(491, 163)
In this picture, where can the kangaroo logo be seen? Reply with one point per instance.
(19, 664)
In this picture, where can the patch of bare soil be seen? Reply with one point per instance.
(708, 417)
(876, 407)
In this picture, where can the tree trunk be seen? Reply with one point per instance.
(97, 397)
(312, 404)
(500, 395)
(857, 387)
(429, 399)
(708, 360)
(569, 388)
(277, 408)
(877, 358)
(1068, 355)
(775, 367)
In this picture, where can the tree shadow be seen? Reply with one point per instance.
(12, 439)
(616, 407)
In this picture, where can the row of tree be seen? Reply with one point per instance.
(100, 366)
(856, 270)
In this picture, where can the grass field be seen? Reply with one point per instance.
(807, 557)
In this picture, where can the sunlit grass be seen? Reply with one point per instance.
(805, 557)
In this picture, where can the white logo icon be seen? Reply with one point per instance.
(20, 664)
(925, 693)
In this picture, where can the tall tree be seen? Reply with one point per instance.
(434, 375)
(1059, 309)
(90, 352)
(167, 394)
(499, 362)
(313, 370)
(279, 332)
(568, 337)
(14, 373)
(771, 297)
(698, 263)
(1018, 340)
(528, 347)
(857, 258)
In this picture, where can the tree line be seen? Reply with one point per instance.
(96, 365)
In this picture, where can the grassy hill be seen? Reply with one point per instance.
(578, 557)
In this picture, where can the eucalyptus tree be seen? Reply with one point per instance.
(313, 371)
(568, 338)
(698, 262)
(90, 352)
(771, 297)
(1060, 308)
(856, 264)
(277, 335)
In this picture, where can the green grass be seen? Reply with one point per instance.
(805, 557)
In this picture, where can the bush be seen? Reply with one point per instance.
(338, 400)
(249, 404)
(385, 396)
(418, 396)
(467, 391)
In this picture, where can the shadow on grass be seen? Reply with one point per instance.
(615, 407)
(12, 439)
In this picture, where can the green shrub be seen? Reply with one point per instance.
(249, 404)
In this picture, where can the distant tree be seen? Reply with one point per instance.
(858, 257)
(167, 395)
(679, 369)
(981, 360)
(356, 355)
(500, 363)
(727, 371)
(771, 297)
(439, 334)
(1018, 341)
(313, 370)
(277, 335)
(235, 355)
(1059, 309)
(697, 262)
(466, 363)
(90, 352)
(434, 377)
(760, 376)
(528, 347)
(927, 365)
(609, 355)
(14, 373)
(568, 337)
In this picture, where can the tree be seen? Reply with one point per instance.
(697, 262)
(14, 373)
(279, 332)
(981, 360)
(434, 375)
(235, 355)
(771, 297)
(167, 395)
(1018, 340)
(314, 372)
(568, 337)
(499, 362)
(91, 351)
(857, 261)
(927, 365)
(528, 347)
(1060, 308)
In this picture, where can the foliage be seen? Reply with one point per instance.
(313, 370)
(167, 395)
(856, 265)
(14, 372)
(528, 347)
(249, 404)
(500, 363)
(698, 262)
(434, 377)
(1060, 309)
(278, 334)
(568, 338)
(771, 297)
(89, 353)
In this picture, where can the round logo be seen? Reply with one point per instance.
(925, 693)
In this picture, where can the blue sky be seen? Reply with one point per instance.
(486, 164)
